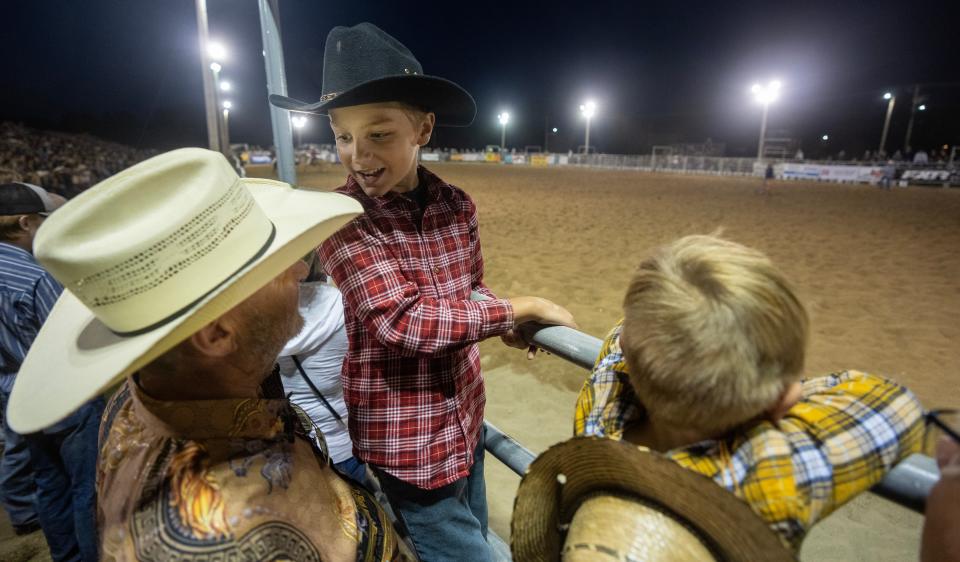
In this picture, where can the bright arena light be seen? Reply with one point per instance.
(887, 95)
(225, 86)
(766, 94)
(504, 118)
(227, 104)
(922, 107)
(588, 109)
(554, 129)
(215, 66)
(825, 137)
(216, 51)
(299, 121)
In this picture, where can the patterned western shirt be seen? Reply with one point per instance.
(231, 479)
(411, 377)
(845, 434)
(27, 293)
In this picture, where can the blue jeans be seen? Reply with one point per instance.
(65, 460)
(353, 469)
(449, 523)
(18, 492)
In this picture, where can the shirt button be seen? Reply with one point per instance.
(436, 269)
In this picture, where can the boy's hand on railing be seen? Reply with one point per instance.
(534, 309)
(542, 311)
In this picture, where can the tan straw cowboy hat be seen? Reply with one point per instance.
(599, 499)
(148, 257)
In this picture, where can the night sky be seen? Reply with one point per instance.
(661, 72)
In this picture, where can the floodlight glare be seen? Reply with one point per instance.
(554, 129)
(227, 104)
(768, 94)
(216, 51)
(887, 95)
(588, 109)
(504, 118)
(825, 137)
(225, 86)
(299, 121)
(215, 66)
(922, 107)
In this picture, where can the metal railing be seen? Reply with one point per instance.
(907, 484)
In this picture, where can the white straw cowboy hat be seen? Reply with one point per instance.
(600, 499)
(147, 258)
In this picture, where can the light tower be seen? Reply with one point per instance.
(504, 118)
(588, 109)
(765, 95)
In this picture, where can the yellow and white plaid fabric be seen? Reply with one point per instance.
(846, 433)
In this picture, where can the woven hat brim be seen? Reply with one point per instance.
(727, 525)
(453, 106)
(75, 356)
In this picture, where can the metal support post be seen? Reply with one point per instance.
(277, 84)
(209, 92)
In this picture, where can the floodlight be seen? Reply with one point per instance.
(504, 118)
(768, 94)
(887, 95)
(554, 129)
(588, 109)
(215, 66)
(922, 107)
(216, 51)
(299, 121)
(227, 104)
(825, 137)
(225, 86)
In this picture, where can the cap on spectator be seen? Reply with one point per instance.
(19, 198)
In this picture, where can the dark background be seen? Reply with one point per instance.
(661, 72)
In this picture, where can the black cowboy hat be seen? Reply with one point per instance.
(363, 64)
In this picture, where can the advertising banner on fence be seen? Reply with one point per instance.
(931, 177)
(821, 172)
(539, 160)
(430, 157)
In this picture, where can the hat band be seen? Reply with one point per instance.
(187, 308)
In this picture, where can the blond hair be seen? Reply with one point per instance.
(712, 334)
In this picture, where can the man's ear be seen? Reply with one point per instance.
(216, 339)
(791, 394)
(426, 129)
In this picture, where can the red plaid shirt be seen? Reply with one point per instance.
(411, 378)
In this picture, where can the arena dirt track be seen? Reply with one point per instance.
(879, 272)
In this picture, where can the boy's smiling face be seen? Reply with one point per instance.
(378, 144)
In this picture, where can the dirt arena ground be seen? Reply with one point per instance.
(879, 272)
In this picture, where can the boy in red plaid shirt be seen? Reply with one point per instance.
(406, 268)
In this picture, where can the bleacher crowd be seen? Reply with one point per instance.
(61, 162)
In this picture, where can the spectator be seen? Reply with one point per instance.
(706, 367)
(201, 455)
(63, 456)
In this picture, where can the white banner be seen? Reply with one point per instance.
(430, 157)
(821, 172)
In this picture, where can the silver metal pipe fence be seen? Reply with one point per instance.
(907, 484)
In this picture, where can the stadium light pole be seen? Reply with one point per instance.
(225, 129)
(504, 118)
(299, 122)
(215, 68)
(891, 100)
(588, 109)
(764, 95)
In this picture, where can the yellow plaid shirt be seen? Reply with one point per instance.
(849, 429)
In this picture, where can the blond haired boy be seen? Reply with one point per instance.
(706, 367)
